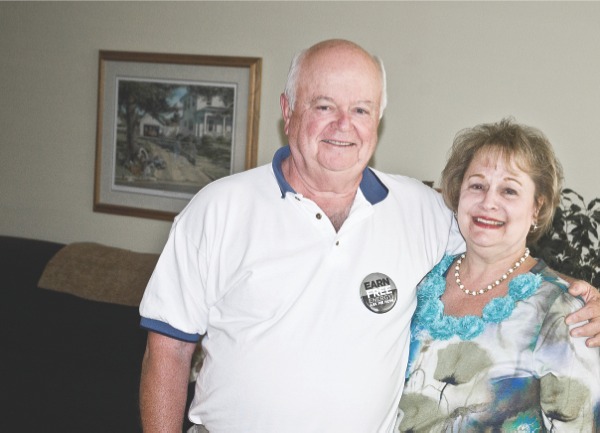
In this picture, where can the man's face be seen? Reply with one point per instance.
(332, 129)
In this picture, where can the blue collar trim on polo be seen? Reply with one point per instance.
(371, 186)
(281, 154)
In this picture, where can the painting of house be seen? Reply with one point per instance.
(153, 127)
(208, 113)
(150, 127)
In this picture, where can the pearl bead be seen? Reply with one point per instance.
(489, 287)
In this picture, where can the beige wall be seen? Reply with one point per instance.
(450, 65)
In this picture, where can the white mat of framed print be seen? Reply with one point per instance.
(169, 124)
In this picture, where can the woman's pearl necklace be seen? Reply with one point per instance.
(490, 286)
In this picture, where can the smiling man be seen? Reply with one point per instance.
(275, 268)
(331, 110)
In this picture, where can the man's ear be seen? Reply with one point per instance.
(286, 112)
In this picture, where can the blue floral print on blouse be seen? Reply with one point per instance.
(430, 309)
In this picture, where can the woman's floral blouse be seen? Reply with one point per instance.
(514, 369)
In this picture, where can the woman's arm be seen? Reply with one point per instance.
(569, 390)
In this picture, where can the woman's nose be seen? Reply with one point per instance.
(489, 200)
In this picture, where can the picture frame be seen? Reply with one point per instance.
(169, 124)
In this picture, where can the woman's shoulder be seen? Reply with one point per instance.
(553, 290)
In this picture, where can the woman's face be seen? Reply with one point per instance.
(496, 206)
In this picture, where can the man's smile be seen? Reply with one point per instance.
(339, 143)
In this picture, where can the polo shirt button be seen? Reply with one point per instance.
(318, 216)
(337, 243)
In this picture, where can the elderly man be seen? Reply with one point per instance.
(301, 274)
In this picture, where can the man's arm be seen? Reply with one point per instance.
(164, 382)
(590, 312)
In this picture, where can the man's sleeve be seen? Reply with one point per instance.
(456, 242)
(174, 302)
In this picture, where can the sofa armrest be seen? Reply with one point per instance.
(99, 273)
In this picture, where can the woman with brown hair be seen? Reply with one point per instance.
(491, 350)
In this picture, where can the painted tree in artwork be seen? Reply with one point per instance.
(137, 98)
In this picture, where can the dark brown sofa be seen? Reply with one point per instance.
(72, 348)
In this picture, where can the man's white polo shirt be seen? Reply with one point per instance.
(306, 329)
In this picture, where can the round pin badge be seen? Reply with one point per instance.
(378, 293)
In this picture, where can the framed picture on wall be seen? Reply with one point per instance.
(168, 125)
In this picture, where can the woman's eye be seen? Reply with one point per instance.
(510, 191)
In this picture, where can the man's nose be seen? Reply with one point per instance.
(343, 120)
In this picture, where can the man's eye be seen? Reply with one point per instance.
(323, 107)
(362, 111)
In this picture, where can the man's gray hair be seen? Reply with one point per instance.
(291, 84)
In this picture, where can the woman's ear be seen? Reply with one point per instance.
(538, 207)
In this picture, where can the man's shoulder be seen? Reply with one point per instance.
(231, 190)
(249, 179)
(401, 184)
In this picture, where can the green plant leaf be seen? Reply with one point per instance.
(571, 246)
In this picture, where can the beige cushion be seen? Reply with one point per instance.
(100, 273)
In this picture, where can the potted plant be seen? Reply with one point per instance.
(571, 245)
